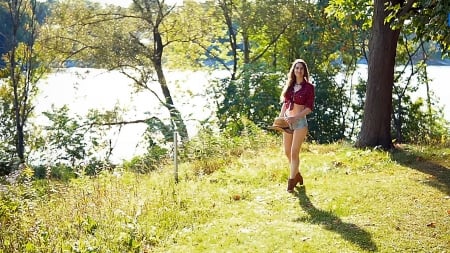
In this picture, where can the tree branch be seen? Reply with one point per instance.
(407, 7)
(271, 43)
(121, 123)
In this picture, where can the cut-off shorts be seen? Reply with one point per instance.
(299, 124)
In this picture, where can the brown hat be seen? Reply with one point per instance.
(280, 124)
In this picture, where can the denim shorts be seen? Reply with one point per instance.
(299, 124)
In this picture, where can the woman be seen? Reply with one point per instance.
(298, 101)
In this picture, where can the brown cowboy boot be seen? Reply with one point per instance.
(293, 182)
(291, 185)
(299, 178)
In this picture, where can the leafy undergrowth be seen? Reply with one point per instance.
(353, 201)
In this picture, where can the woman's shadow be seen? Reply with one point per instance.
(330, 221)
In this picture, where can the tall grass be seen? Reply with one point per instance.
(231, 198)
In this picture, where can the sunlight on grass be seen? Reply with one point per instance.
(353, 201)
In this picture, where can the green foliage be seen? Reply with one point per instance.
(330, 35)
(327, 122)
(10, 209)
(60, 171)
(133, 42)
(357, 107)
(23, 64)
(66, 138)
(158, 136)
(155, 158)
(200, 28)
(426, 19)
(420, 127)
(418, 121)
(421, 20)
(332, 48)
(205, 152)
(30, 11)
(16, 202)
(209, 152)
(351, 12)
(70, 146)
(255, 96)
(7, 130)
(94, 212)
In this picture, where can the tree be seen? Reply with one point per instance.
(153, 14)
(5, 25)
(386, 25)
(238, 36)
(131, 41)
(376, 125)
(428, 20)
(252, 97)
(244, 32)
(270, 34)
(325, 45)
(23, 66)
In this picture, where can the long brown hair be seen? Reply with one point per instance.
(291, 76)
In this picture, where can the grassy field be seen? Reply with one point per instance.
(353, 201)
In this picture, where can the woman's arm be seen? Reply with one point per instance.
(303, 113)
(283, 110)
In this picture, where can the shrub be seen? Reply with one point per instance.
(210, 151)
(155, 157)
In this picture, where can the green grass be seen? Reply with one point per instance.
(353, 201)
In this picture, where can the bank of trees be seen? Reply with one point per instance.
(255, 41)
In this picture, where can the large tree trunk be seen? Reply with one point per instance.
(376, 125)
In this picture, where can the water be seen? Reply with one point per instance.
(82, 89)
(440, 85)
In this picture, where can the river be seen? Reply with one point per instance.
(84, 88)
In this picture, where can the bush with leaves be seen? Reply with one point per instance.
(255, 96)
(70, 143)
(210, 151)
(420, 127)
(154, 159)
(7, 131)
(327, 123)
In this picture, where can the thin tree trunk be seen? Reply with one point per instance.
(175, 115)
(227, 8)
(15, 78)
(376, 125)
(425, 73)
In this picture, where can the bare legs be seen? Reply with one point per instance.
(292, 145)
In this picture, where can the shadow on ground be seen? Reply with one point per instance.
(330, 221)
(439, 173)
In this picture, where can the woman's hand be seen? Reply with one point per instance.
(290, 120)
